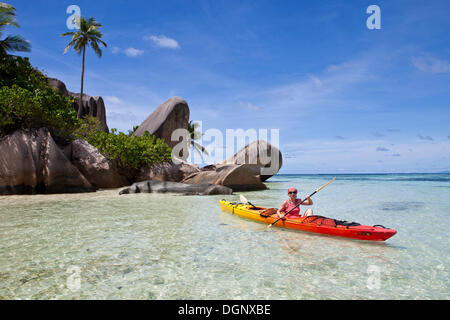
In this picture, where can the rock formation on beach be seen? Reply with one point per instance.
(246, 170)
(237, 177)
(167, 171)
(262, 157)
(31, 162)
(100, 171)
(152, 186)
(169, 116)
(92, 106)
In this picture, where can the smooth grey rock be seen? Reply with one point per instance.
(167, 171)
(100, 171)
(237, 177)
(169, 116)
(263, 158)
(151, 186)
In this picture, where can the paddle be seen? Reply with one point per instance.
(244, 200)
(270, 225)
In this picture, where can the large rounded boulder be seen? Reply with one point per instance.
(31, 162)
(237, 177)
(169, 116)
(100, 171)
(261, 157)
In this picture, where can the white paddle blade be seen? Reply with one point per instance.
(243, 199)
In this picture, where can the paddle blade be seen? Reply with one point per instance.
(243, 199)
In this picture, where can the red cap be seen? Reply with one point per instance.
(292, 189)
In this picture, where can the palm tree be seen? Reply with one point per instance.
(88, 34)
(10, 43)
(195, 135)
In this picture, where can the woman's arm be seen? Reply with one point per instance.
(308, 202)
(282, 209)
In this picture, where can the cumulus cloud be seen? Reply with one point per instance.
(431, 64)
(381, 149)
(163, 42)
(132, 52)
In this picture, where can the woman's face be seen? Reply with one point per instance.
(292, 194)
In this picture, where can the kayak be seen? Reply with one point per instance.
(315, 224)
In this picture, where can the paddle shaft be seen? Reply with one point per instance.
(302, 202)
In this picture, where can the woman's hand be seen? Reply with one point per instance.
(281, 215)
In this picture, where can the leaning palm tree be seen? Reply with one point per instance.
(88, 34)
(195, 135)
(10, 43)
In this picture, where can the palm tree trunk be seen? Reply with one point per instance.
(80, 105)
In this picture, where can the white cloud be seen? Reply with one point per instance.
(132, 52)
(431, 64)
(248, 106)
(112, 100)
(163, 41)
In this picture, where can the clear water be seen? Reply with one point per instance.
(148, 246)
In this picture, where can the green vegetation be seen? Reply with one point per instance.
(12, 42)
(23, 109)
(18, 70)
(26, 101)
(88, 34)
(127, 151)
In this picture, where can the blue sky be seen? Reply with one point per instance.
(344, 98)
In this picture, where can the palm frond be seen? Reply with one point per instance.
(15, 43)
(7, 19)
(199, 148)
(71, 33)
(96, 48)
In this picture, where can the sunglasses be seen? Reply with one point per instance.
(293, 192)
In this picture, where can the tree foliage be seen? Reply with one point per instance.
(125, 150)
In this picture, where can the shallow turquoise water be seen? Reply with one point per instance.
(145, 246)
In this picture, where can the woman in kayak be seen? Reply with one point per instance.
(290, 203)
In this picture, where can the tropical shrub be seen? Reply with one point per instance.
(18, 70)
(24, 109)
(125, 150)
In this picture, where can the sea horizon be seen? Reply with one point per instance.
(364, 173)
